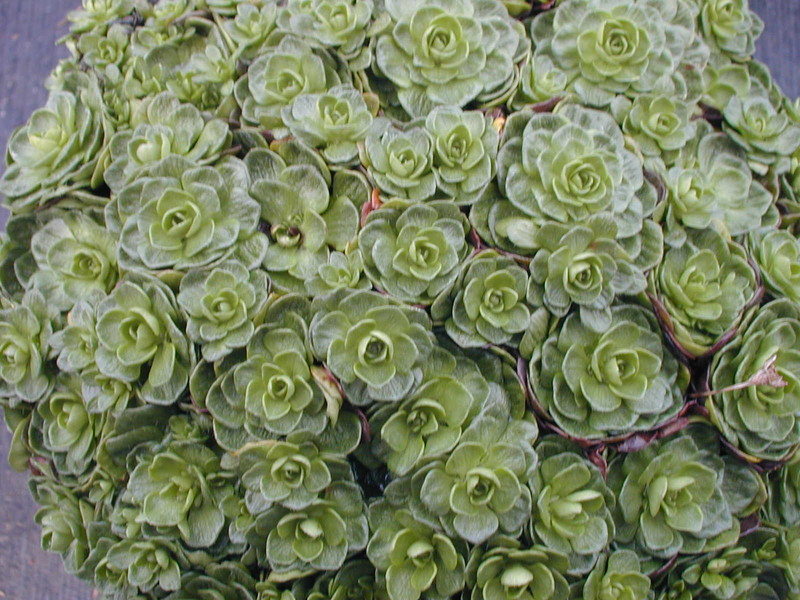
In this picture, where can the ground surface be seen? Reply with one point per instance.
(28, 30)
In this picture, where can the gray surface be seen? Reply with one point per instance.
(25, 571)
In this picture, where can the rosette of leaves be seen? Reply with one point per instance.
(705, 285)
(777, 254)
(319, 537)
(222, 304)
(305, 217)
(64, 518)
(757, 567)
(76, 343)
(219, 581)
(199, 69)
(96, 14)
(270, 393)
(486, 304)
(540, 81)
(680, 495)
(465, 148)
(25, 333)
(100, 51)
(179, 489)
(506, 570)
(343, 270)
(731, 27)
(583, 265)
(375, 346)
(659, 124)
(710, 185)
(755, 382)
(75, 256)
(416, 559)
(63, 430)
(181, 216)
(334, 121)
(356, 579)
(249, 26)
(279, 75)
(569, 165)
(763, 130)
(620, 574)
(294, 472)
(400, 159)
(163, 126)
(621, 47)
(338, 24)
(572, 504)
(597, 385)
(153, 564)
(141, 339)
(58, 150)
(414, 252)
(431, 420)
(482, 486)
(450, 53)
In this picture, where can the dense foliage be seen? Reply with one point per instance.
(409, 300)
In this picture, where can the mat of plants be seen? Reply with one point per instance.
(409, 300)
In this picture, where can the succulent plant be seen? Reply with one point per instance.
(414, 252)
(75, 256)
(318, 537)
(731, 27)
(449, 53)
(181, 487)
(278, 76)
(582, 265)
(569, 165)
(374, 345)
(596, 385)
(148, 564)
(27, 329)
(679, 495)
(486, 304)
(183, 217)
(712, 185)
(414, 558)
(755, 384)
(139, 325)
(163, 127)
(658, 124)
(58, 150)
(221, 304)
(777, 255)
(430, 421)
(400, 161)
(465, 149)
(767, 133)
(572, 505)
(705, 286)
(63, 430)
(335, 121)
(620, 574)
(621, 47)
(340, 24)
(270, 393)
(305, 218)
(507, 570)
(483, 487)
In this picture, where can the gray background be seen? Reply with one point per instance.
(25, 570)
